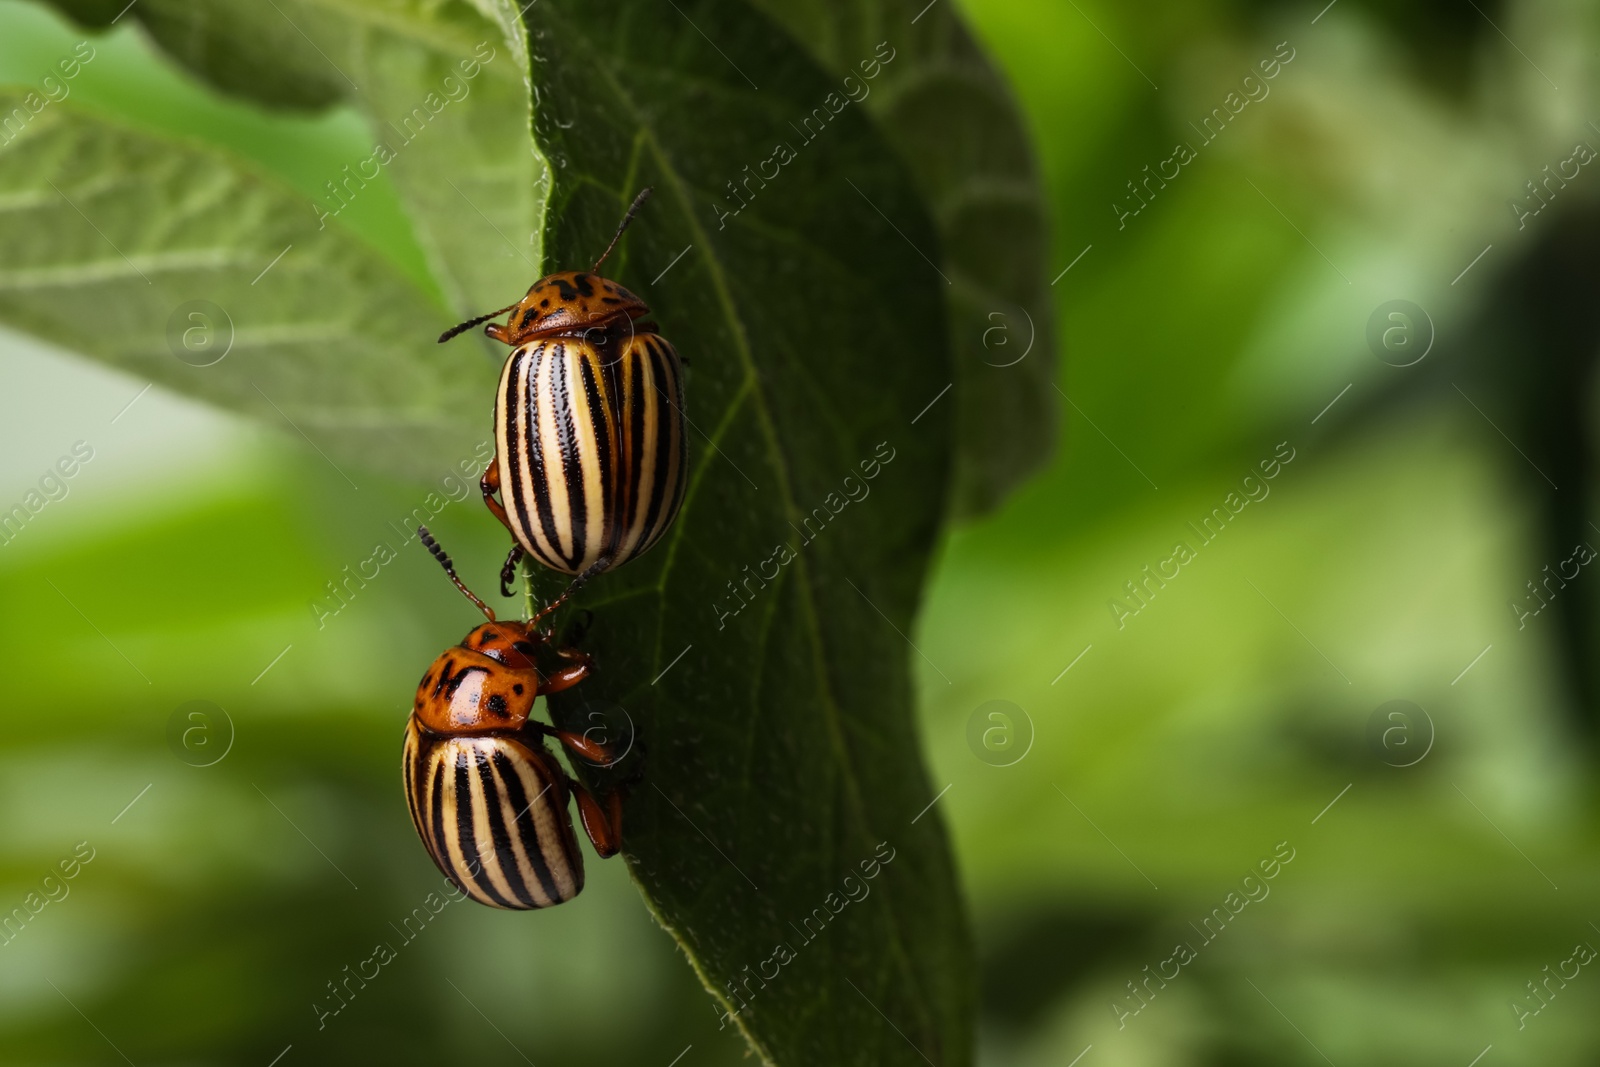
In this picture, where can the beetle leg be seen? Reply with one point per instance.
(490, 485)
(603, 825)
(508, 573)
(576, 670)
(593, 751)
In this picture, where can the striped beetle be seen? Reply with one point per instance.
(487, 798)
(588, 423)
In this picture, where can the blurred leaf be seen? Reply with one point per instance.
(255, 52)
(1206, 331)
(776, 737)
(157, 256)
(444, 75)
(945, 108)
(815, 409)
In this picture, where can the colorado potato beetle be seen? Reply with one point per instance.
(588, 423)
(487, 798)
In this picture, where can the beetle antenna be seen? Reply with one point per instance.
(638, 202)
(470, 323)
(577, 583)
(450, 569)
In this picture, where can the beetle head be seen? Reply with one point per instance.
(512, 644)
(570, 301)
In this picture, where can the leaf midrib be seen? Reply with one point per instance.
(804, 579)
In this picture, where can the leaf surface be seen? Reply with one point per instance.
(779, 820)
(442, 88)
(759, 650)
(177, 265)
(948, 112)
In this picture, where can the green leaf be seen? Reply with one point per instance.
(778, 770)
(443, 89)
(176, 265)
(774, 724)
(947, 111)
(252, 50)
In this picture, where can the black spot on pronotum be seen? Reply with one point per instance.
(497, 706)
(517, 688)
(452, 684)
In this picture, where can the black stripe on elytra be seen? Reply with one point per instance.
(635, 401)
(527, 827)
(504, 850)
(680, 436)
(612, 369)
(466, 757)
(438, 846)
(600, 429)
(668, 420)
(535, 501)
(513, 437)
(676, 441)
(416, 773)
(642, 404)
(417, 777)
(571, 457)
(408, 764)
(544, 514)
(535, 513)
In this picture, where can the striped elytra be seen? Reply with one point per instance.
(486, 797)
(588, 423)
(492, 812)
(591, 447)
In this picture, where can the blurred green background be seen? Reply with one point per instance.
(1144, 763)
